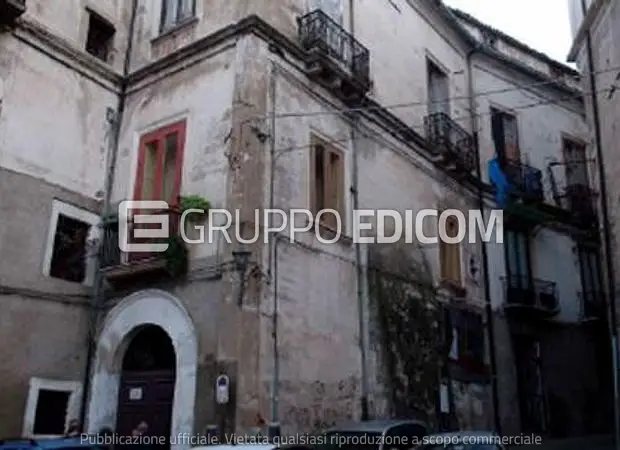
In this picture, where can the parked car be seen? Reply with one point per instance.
(47, 444)
(463, 440)
(375, 435)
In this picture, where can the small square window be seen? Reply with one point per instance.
(100, 37)
(69, 251)
(51, 412)
(67, 254)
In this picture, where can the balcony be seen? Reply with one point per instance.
(592, 305)
(579, 200)
(11, 10)
(120, 268)
(533, 298)
(526, 181)
(449, 143)
(336, 60)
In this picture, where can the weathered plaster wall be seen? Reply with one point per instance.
(541, 127)
(414, 32)
(203, 96)
(210, 17)
(52, 146)
(316, 282)
(69, 21)
(606, 56)
(40, 338)
(67, 111)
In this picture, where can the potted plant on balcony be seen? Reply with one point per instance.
(189, 202)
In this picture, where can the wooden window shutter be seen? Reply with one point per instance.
(450, 255)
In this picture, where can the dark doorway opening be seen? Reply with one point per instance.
(147, 386)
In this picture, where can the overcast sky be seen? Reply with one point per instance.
(541, 24)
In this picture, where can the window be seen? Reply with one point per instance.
(66, 254)
(100, 37)
(516, 247)
(450, 255)
(327, 181)
(466, 333)
(174, 12)
(438, 89)
(576, 164)
(51, 404)
(505, 136)
(69, 251)
(591, 274)
(160, 164)
(51, 412)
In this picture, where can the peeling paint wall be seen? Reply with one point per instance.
(53, 147)
(68, 113)
(413, 31)
(69, 22)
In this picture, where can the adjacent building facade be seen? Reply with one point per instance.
(248, 106)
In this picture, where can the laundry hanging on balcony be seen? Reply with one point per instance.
(500, 182)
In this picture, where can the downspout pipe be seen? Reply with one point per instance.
(359, 264)
(274, 427)
(116, 120)
(485, 258)
(611, 285)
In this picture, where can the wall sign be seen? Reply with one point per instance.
(135, 394)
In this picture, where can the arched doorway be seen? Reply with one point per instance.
(150, 307)
(147, 381)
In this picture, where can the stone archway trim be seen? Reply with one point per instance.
(148, 307)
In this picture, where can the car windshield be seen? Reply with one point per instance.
(349, 440)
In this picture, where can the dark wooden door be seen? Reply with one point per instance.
(146, 396)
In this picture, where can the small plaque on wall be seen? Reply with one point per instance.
(135, 394)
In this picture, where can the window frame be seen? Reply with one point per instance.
(316, 141)
(587, 255)
(528, 255)
(443, 270)
(83, 215)
(163, 28)
(434, 67)
(159, 136)
(501, 153)
(36, 384)
(92, 14)
(459, 333)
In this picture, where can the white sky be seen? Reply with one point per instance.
(540, 24)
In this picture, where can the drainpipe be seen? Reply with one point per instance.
(274, 429)
(362, 297)
(98, 290)
(485, 260)
(360, 276)
(613, 321)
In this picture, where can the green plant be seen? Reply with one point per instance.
(408, 318)
(195, 202)
(176, 256)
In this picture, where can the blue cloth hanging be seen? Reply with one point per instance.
(499, 180)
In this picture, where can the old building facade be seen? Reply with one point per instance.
(252, 106)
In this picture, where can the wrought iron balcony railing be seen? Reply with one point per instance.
(530, 293)
(319, 32)
(446, 137)
(527, 180)
(592, 305)
(110, 252)
(579, 199)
